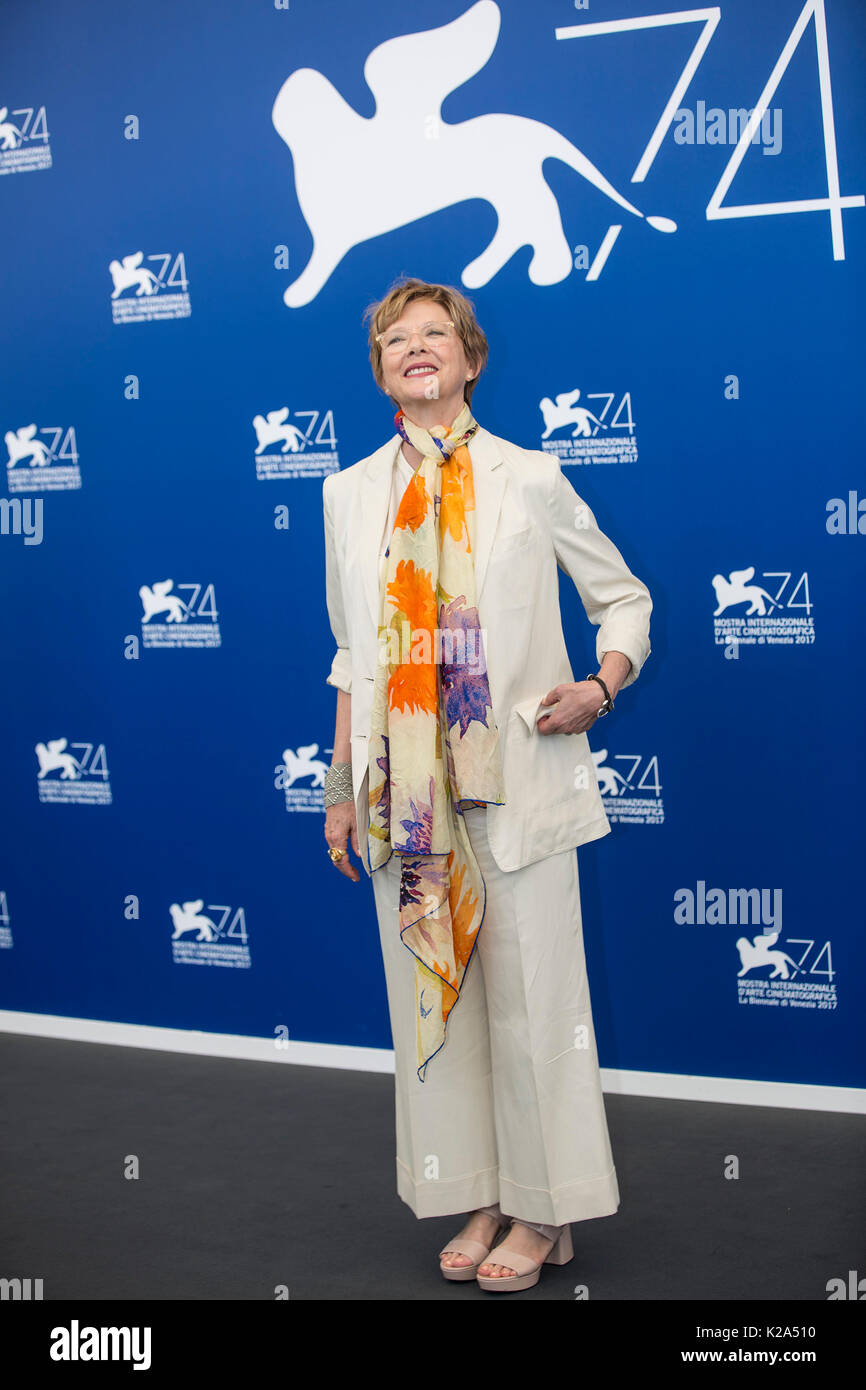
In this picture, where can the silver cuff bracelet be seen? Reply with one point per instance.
(338, 784)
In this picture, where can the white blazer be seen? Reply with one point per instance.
(528, 521)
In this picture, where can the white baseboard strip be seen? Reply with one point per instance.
(726, 1090)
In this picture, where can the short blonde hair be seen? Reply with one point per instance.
(460, 310)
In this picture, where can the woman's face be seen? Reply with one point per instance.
(422, 370)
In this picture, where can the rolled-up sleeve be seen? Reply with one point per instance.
(340, 674)
(615, 600)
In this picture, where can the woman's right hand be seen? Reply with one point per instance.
(340, 823)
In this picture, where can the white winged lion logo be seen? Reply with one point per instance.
(358, 177)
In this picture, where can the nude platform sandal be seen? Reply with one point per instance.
(474, 1250)
(526, 1270)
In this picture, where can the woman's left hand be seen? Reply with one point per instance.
(577, 707)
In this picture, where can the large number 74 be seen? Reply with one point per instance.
(833, 203)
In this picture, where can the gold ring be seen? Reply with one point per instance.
(336, 854)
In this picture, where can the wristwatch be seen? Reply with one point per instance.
(607, 706)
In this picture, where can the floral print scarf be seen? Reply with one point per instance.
(434, 744)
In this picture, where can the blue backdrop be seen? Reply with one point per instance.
(175, 386)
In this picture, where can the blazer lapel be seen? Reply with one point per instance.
(375, 496)
(489, 485)
(489, 479)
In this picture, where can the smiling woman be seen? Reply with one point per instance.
(463, 804)
(424, 334)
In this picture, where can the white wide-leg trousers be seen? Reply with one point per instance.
(511, 1111)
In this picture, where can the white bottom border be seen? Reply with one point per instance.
(726, 1090)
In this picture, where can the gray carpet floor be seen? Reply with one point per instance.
(253, 1176)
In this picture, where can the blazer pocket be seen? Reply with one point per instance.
(541, 770)
(510, 578)
(508, 544)
(526, 711)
